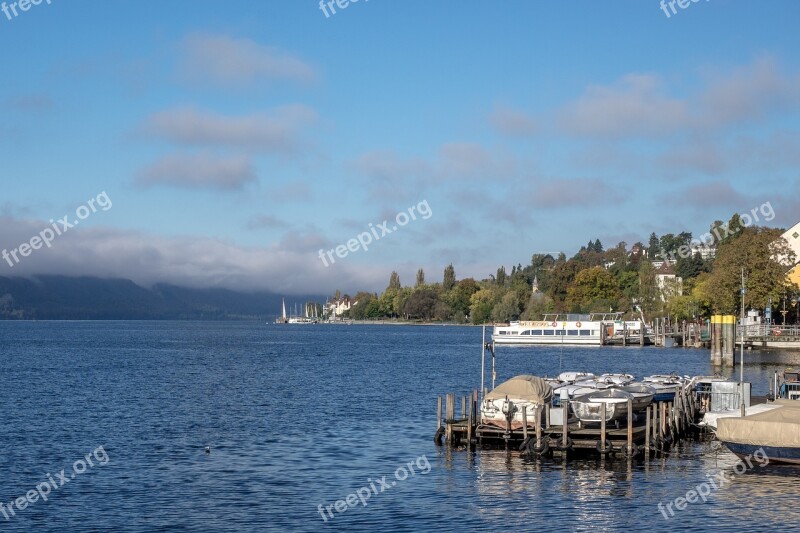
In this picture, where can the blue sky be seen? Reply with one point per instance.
(237, 139)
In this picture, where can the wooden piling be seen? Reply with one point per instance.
(537, 420)
(624, 333)
(438, 412)
(464, 407)
(525, 422)
(662, 428)
(603, 426)
(470, 418)
(630, 425)
(647, 432)
(449, 408)
(547, 415)
(564, 435)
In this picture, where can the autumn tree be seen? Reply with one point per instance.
(756, 250)
(592, 286)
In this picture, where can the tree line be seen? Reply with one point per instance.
(595, 279)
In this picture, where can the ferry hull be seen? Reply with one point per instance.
(523, 340)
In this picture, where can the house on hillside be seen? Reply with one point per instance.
(792, 236)
(668, 283)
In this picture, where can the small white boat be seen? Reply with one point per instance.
(502, 407)
(572, 377)
(642, 395)
(589, 407)
(617, 379)
(665, 386)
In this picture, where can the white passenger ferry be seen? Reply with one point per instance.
(554, 329)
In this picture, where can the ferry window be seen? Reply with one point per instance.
(585, 332)
(572, 332)
(559, 332)
(549, 332)
(536, 332)
(526, 332)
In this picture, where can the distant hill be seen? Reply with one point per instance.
(88, 298)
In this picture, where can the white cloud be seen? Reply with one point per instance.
(223, 60)
(289, 266)
(512, 122)
(275, 132)
(198, 171)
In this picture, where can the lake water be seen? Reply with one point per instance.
(299, 417)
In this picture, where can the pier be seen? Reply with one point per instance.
(550, 431)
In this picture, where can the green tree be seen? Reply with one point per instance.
(459, 298)
(394, 280)
(652, 246)
(506, 309)
(420, 278)
(501, 276)
(648, 289)
(421, 304)
(481, 305)
(449, 280)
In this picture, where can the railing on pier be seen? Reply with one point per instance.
(771, 330)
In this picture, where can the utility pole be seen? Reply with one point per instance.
(741, 353)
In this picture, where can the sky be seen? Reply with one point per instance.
(238, 144)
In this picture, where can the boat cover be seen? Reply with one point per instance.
(523, 388)
(778, 427)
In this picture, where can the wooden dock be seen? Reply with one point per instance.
(550, 432)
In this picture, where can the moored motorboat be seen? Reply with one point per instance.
(589, 407)
(572, 377)
(774, 433)
(502, 407)
(642, 394)
(665, 386)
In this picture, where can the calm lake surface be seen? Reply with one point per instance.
(302, 416)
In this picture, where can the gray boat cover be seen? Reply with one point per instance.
(779, 427)
(523, 388)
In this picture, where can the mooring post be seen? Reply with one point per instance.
(630, 426)
(662, 428)
(565, 411)
(464, 407)
(525, 422)
(624, 333)
(537, 420)
(655, 423)
(547, 415)
(470, 417)
(438, 412)
(647, 433)
(602, 427)
(449, 408)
